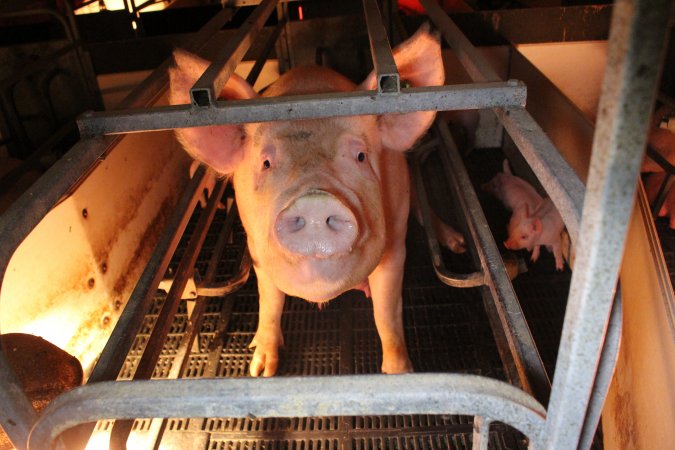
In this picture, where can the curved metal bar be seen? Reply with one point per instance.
(293, 397)
(231, 285)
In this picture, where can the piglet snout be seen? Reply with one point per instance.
(318, 225)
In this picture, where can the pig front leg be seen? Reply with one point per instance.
(557, 252)
(535, 254)
(268, 337)
(386, 283)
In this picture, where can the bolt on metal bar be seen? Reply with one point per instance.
(298, 107)
(636, 48)
(386, 72)
(293, 397)
(20, 219)
(532, 374)
(207, 88)
(556, 176)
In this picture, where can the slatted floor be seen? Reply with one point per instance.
(446, 331)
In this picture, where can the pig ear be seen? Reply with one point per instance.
(419, 62)
(536, 225)
(221, 146)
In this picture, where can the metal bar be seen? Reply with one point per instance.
(206, 90)
(636, 47)
(117, 347)
(532, 373)
(477, 67)
(155, 343)
(481, 433)
(293, 397)
(458, 280)
(380, 50)
(264, 53)
(17, 414)
(558, 179)
(27, 211)
(603, 378)
(304, 107)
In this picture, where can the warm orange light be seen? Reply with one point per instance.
(300, 15)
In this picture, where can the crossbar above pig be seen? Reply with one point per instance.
(324, 202)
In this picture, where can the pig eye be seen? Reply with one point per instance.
(360, 156)
(266, 164)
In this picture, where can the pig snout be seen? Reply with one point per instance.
(317, 224)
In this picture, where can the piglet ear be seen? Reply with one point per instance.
(419, 62)
(537, 225)
(221, 146)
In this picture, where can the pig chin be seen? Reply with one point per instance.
(322, 279)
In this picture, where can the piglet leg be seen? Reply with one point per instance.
(535, 254)
(386, 283)
(557, 252)
(268, 337)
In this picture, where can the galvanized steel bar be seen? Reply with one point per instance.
(386, 72)
(559, 180)
(532, 374)
(477, 67)
(636, 46)
(481, 433)
(27, 211)
(305, 107)
(293, 397)
(207, 88)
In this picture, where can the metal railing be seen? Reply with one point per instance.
(596, 219)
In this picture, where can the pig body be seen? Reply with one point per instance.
(324, 202)
(534, 221)
(530, 230)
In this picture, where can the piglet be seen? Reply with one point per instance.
(653, 183)
(543, 226)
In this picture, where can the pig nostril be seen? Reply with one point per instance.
(297, 224)
(336, 223)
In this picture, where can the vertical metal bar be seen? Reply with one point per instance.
(208, 86)
(481, 433)
(636, 46)
(383, 59)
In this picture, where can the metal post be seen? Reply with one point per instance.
(386, 72)
(636, 44)
(210, 84)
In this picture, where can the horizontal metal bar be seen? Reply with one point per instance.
(529, 365)
(293, 397)
(207, 88)
(469, 96)
(386, 72)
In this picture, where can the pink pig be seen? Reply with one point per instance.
(529, 231)
(324, 202)
(543, 227)
(512, 191)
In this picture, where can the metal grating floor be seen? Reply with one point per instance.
(446, 328)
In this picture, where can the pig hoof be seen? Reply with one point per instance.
(265, 357)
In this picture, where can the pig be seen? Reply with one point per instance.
(512, 191)
(653, 183)
(324, 202)
(543, 226)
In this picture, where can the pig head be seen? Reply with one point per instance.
(324, 202)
